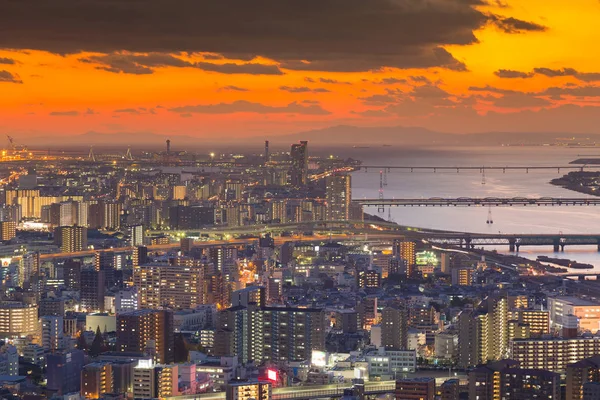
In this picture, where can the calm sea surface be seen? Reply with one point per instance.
(469, 184)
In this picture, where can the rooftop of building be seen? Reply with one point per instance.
(576, 301)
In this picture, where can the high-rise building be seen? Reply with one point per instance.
(135, 234)
(92, 290)
(71, 239)
(72, 274)
(29, 269)
(147, 331)
(394, 328)
(483, 333)
(406, 250)
(8, 230)
(64, 371)
(553, 354)
(154, 381)
(338, 195)
(579, 374)
(276, 334)
(18, 320)
(415, 389)
(505, 380)
(248, 390)
(52, 332)
(299, 158)
(96, 380)
(180, 285)
(9, 360)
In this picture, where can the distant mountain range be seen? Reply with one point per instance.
(336, 135)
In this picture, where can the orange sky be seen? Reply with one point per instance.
(44, 93)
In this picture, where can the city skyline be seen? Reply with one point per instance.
(202, 69)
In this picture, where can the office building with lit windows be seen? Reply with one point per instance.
(147, 331)
(338, 196)
(176, 286)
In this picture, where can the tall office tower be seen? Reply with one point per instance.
(299, 158)
(52, 333)
(147, 331)
(338, 195)
(174, 286)
(96, 380)
(135, 234)
(415, 388)
(8, 230)
(506, 380)
(92, 290)
(483, 333)
(267, 155)
(71, 239)
(394, 330)
(72, 274)
(29, 269)
(248, 390)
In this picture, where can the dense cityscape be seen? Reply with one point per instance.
(299, 200)
(178, 275)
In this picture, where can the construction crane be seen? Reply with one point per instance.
(16, 148)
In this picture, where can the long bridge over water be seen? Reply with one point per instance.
(478, 201)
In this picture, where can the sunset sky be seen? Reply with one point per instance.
(268, 67)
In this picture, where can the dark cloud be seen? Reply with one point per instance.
(551, 73)
(232, 88)
(511, 74)
(379, 99)
(8, 61)
(246, 68)
(135, 111)
(391, 81)
(492, 89)
(575, 91)
(303, 89)
(514, 25)
(72, 113)
(8, 77)
(212, 57)
(242, 106)
(310, 80)
(333, 81)
(420, 79)
(331, 35)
